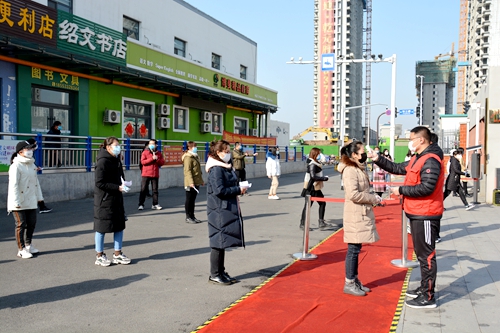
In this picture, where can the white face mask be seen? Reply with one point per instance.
(225, 157)
(459, 157)
(28, 153)
(410, 147)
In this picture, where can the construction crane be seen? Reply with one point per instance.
(450, 54)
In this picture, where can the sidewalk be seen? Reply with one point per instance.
(165, 289)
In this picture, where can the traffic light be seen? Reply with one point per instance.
(418, 112)
(466, 107)
(395, 112)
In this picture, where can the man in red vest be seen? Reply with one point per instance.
(422, 193)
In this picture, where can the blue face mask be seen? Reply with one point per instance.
(194, 150)
(59, 127)
(116, 150)
(152, 147)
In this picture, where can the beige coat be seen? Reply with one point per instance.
(192, 170)
(359, 219)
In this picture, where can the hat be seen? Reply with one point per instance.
(452, 151)
(22, 145)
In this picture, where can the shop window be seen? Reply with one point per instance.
(48, 106)
(137, 119)
(241, 126)
(243, 72)
(181, 119)
(64, 5)
(217, 127)
(215, 61)
(180, 47)
(131, 28)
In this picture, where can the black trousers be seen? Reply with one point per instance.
(145, 189)
(217, 262)
(25, 223)
(423, 234)
(322, 206)
(461, 193)
(241, 174)
(190, 202)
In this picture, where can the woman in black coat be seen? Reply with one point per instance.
(453, 180)
(109, 213)
(225, 225)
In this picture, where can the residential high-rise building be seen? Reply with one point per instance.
(338, 28)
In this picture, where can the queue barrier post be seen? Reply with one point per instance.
(305, 255)
(403, 262)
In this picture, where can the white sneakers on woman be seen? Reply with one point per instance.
(273, 197)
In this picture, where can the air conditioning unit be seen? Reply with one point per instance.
(163, 122)
(253, 132)
(112, 116)
(206, 127)
(163, 110)
(206, 116)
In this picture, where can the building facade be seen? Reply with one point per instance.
(115, 68)
(343, 88)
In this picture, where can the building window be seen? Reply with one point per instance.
(243, 72)
(217, 123)
(181, 119)
(215, 61)
(180, 47)
(137, 119)
(240, 126)
(131, 28)
(64, 5)
(47, 106)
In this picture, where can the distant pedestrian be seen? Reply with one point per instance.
(23, 194)
(359, 219)
(379, 175)
(408, 155)
(238, 157)
(55, 144)
(387, 174)
(225, 224)
(273, 171)
(463, 165)
(315, 178)
(151, 160)
(109, 212)
(193, 179)
(453, 180)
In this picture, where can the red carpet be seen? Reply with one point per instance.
(307, 296)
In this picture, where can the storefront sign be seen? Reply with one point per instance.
(248, 140)
(55, 79)
(80, 36)
(7, 148)
(158, 63)
(28, 20)
(326, 30)
(172, 155)
(495, 116)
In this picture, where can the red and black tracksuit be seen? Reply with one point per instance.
(423, 204)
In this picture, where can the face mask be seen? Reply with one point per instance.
(28, 153)
(116, 150)
(459, 157)
(377, 151)
(59, 127)
(386, 153)
(152, 147)
(225, 158)
(195, 150)
(410, 147)
(363, 158)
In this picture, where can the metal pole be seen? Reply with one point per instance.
(304, 255)
(393, 107)
(403, 262)
(421, 99)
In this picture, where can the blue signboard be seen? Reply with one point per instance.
(328, 62)
(406, 112)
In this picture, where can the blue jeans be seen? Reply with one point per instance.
(99, 241)
(351, 261)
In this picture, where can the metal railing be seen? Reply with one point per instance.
(80, 152)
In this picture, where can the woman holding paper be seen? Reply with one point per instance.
(109, 213)
(225, 224)
(192, 180)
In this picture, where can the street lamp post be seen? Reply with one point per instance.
(421, 99)
(362, 106)
(378, 124)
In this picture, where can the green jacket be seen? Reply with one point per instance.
(192, 170)
(238, 159)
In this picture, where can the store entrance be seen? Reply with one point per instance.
(48, 106)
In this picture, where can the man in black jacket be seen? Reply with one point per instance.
(422, 203)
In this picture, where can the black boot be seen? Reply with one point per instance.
(322, 225)
(301, 226)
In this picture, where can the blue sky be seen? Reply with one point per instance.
(413, 30)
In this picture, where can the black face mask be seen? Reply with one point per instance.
(363, 158)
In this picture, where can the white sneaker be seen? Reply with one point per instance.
(31, 249)
(157, 207)
(102, 260)
(121, 259)
(141, 207)
(273, 197)
(469, 207)
(24, 253)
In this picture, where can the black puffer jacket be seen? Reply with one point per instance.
(109, 214)
(316, 175)
(428, 175)
(453, 180)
